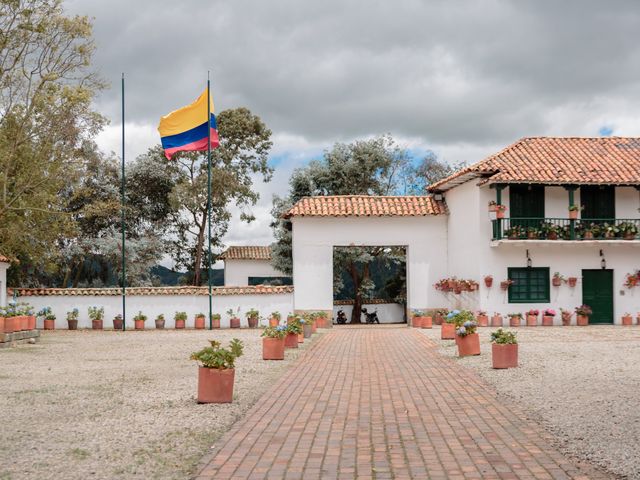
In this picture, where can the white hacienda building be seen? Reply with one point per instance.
(248, 265)
(451, 233)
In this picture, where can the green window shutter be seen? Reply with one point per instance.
(530, 285)
(526, 201)
(598, 201)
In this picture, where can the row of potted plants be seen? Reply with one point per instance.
(582, 230)
(216, 372)
(17, 317)
(456, 285)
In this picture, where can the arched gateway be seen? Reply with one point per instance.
(322, 223)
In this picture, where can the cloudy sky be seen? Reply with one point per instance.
(461, 78)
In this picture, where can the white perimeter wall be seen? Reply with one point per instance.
(387, 312)
(237, 272)
(153, 305)
(315, 237)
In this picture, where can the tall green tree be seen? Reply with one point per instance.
(46, 125)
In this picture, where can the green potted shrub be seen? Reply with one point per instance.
(49, 318)
(448, 330)
(72, 319)
(557, 279)
(482, 318)
(253, 316)
(467, 338)
(160, 321)
(234, 320)
(96, 314)
(293, 330)
(199, 321)
(566, 317)
(118, 322)
(138, 321)
(582, 315)
(504, 349)
(514, 319)
(547, 317)
(273, 342)
(216, 373)
(628, 230)
(496, 320)
(215, 320)
(274, 319)
(573, 211)
(180, 319)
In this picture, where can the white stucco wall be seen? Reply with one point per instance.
(387, 312)
(153, 305)
(237, 272)
(3, 283)
(315, 237)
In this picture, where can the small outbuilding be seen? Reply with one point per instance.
(250, 265)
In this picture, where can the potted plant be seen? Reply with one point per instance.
(49, 319)
(293, 329)
(515, 232)
(72, 319)
(493, 206)
(632, 279)
(532, 318)
(306, 325)
(482, 318)
(557, 279)
(215, 320)
(438, 316)
(118, 322)
(547, 317)
(29, 318)
(504, 349)
(627, 319)
(500, 209)
(628, 230)
(252, 317)
(468, 340)
(216, 372)
(572, 281)
(448, 330)
(96, 314)
(514, 319)
(273, 342)
(496, 320)
(274, 320)
(582, 315)
(573, 212)
(180, 319)
(610, 231)
(160, 322)
(566, 317)
(550, 230)
(532, 233)
(199, 321)
(488, 281)
(138, 321)
(234, 320)
(505, 284)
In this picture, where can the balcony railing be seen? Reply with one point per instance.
(566, 229)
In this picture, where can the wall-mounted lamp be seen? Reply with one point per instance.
(603, 261)
(528, 260)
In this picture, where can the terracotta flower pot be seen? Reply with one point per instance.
(552, 236)
(416, 322)
(547, 321)
(72, 324)
(159, 324)
(24, 323)
(48, 325)
(566, 319)
(10, 324)
(504, 355)
(215, 323)
(96, 324)
(272, 348)
(252, 321)
(499, 213)
(274, 322)
(582, 320)
(572, 281)
(180, 324)
(573, 214)
(496, 321)
(488, 282)
(448, 331)
(438, 319)
(556, 282)
(588, 235)
(306, 330)
(504, 286)
(234, 322)
(532, 320)
(514, 321)
(32, 322)
(314, 326)
(138, 324)
(468, 345)
(483, 321)
(117, 324)
(199, 323)
(627, 320)
(215, 385)
(638, 320)
(2, 323)
(291, 340)
(301, 337)
(427, 322)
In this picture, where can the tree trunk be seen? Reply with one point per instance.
(356, 314)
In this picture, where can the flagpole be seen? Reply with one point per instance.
(209, 190)
(124, 262)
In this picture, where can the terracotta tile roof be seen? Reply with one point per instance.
(367, 206)
(250, 252)
(557, 160)
(135, 291)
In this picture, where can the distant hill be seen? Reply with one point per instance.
(171, 278)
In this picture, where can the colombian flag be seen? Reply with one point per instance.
(185, 129)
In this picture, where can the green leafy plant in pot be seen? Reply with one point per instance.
(253, 317)
(216, 373)
(504, 349)
(72, 319)
(273, 342)
(160, 321)
(96, 314)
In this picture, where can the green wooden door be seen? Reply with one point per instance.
(598, 202)
(526, 202)
(597, 292)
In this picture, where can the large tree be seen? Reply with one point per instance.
(46, 125)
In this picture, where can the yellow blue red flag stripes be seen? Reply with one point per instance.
(185, 129)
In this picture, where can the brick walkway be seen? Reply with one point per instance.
(381, 403)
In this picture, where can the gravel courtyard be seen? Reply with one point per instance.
(110, 405)
(581, 383)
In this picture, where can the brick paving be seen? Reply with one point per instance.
(381, 403)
